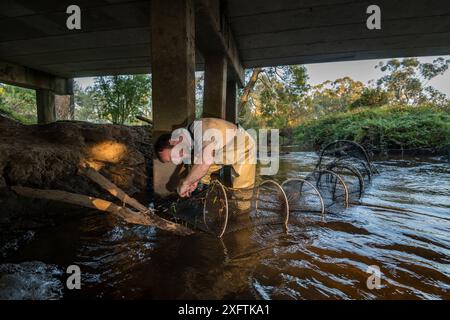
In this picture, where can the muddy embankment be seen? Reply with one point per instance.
(48, 157)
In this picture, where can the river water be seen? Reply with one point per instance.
(315, 260)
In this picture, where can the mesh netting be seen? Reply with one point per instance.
(341, 175)
(331, 186)
(189, 211)
(346, 152)
(215, 209)
(305, 201)
(351, 176)
(219, 210)
(270, 204)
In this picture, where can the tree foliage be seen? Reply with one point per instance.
(382, 128)
(371, 97)
(406, 81)
(120, 98)
(85, 104)
(333, 96)
(276, 99)
(281, 97)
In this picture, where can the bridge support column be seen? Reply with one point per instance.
(173, 77)
(231, 112)
(215, 86)
(45, 100)
(71, 93)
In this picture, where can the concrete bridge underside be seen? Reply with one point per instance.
(173, 38)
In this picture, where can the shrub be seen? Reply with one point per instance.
(386, 127)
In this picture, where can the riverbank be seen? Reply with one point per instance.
(48, 157)
(382, 129)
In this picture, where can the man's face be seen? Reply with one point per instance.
(178, 151)
(172, 155)
(164, 155)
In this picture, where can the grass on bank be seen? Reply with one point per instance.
(6, 112)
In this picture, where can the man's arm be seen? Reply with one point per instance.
(189, 184)
(197, 172)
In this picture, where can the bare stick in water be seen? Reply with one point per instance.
(121, 195)
(112, 188)
(103, 205)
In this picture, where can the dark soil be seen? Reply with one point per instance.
(48, 157)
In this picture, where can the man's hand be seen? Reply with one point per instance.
(185, 189)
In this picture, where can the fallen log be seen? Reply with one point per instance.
(126, 214)
(122, 196)
(112, 188)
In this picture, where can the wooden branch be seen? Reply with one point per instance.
(103, 205)
(121, 195)
(112, 188)
(142, 118)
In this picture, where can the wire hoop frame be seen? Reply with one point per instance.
(343, 147)
(318, 181)
(354, 170)
(286, 217)
(223, 190)
(303, 181)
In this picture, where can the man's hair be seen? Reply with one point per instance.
(163, 142)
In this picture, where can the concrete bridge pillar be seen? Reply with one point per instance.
(214, 99)
(45, 101)
(173, 77)
(231, 112)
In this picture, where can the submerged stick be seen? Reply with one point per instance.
(126, 214)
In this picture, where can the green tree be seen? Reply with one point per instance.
(276, 98)
(371, 97)
(85, 104)
(406, 81)
(334, 96)
(2, 94)
(199, 91)
(18, 103)
(120, 98)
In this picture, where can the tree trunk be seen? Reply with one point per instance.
(248, 89)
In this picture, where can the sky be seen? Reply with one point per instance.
(362, 70)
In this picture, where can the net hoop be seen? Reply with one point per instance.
(332, 153)
(320, 172)
(322, 205)
(222, 188)
(336, 165)
(286, 217)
